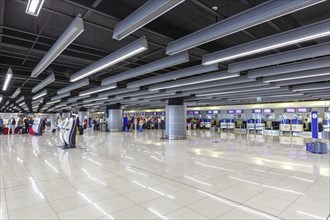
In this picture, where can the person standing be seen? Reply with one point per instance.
(1, 125)
(12, 123)
(85, 122)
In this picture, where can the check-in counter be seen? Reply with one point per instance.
(285, 125)
(297, 125)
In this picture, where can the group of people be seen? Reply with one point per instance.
(195, 123)
(133, 123)
(16, 126)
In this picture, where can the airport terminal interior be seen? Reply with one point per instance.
(165, 109)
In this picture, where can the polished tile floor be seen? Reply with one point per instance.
(139, 176)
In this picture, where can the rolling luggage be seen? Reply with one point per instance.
(80, 130)
(16, 130)
(317, 147)
(5, 130)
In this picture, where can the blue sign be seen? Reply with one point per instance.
(315, 125)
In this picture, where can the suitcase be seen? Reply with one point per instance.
(16, 130)
(323, 148)
(54, 130)
(31, 131)
(81, 131)
(140, 129)
(5, 130)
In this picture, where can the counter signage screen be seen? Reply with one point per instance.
(302, 110)
(290, 110)
(257, 111)
(196, 112)
(143, 113)
(215, 112)
(230, 112)
(239, 111)
(191, 113)
(163, 113)
(328, 109)
(267, 110)
(209, 112)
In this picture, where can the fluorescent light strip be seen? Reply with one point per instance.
(75, 28)
(298, 35)
(9, 75)
(257, 15)
(15, 94)
(53, 102)
(308, 87)
(142, 16)
(298, 75)
(148, 68)
(303, 80)
(76, 98)
(0, 98)
(284, 57)
(34, 7)
(40, 94)
(20, 99)
(225, 82)
(181, 73)
(117, 91)
(116, 57)
(94, 99)
(98, 89)
(44, 83)
(229, 92)
(305, 65)
(40, 100)
(194, 80)
(60, 96)
(73, 86)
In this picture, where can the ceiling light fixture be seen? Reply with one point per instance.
(73, 86)
(235, 91)
(94, 99)
(246, 19)
(291, 67)
(225, 82)
(33, 7)
(98, 89)
(148, 68)
(142, 16)
(284, 57)
(40, 94)
(70, 34)
(117, 91)
(116, 57)
(9, 75)
(20, 99)
(15, 94)
(298, 75)
(53, 102)
(60, 96)
(312, 86)
(298, 35)
(22, 104)
(0, 98)
(194, 80)
(303, 80)
(44, 83)
(181, 73)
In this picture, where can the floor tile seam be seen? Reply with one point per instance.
(296, 200)
(42, 193)
(198, 189)
(187, 206)
(4, 191)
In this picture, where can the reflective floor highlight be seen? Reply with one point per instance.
(137, 175)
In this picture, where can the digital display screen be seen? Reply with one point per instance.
(239, 111)
(267, 110)
(257, 111)
(209, 112)
(191, 113)
(328, 109)
(163, 113)
(215, 112)
(196, 112)
(143, 113)
(302, 110)
(290, 110)
(230, 112)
